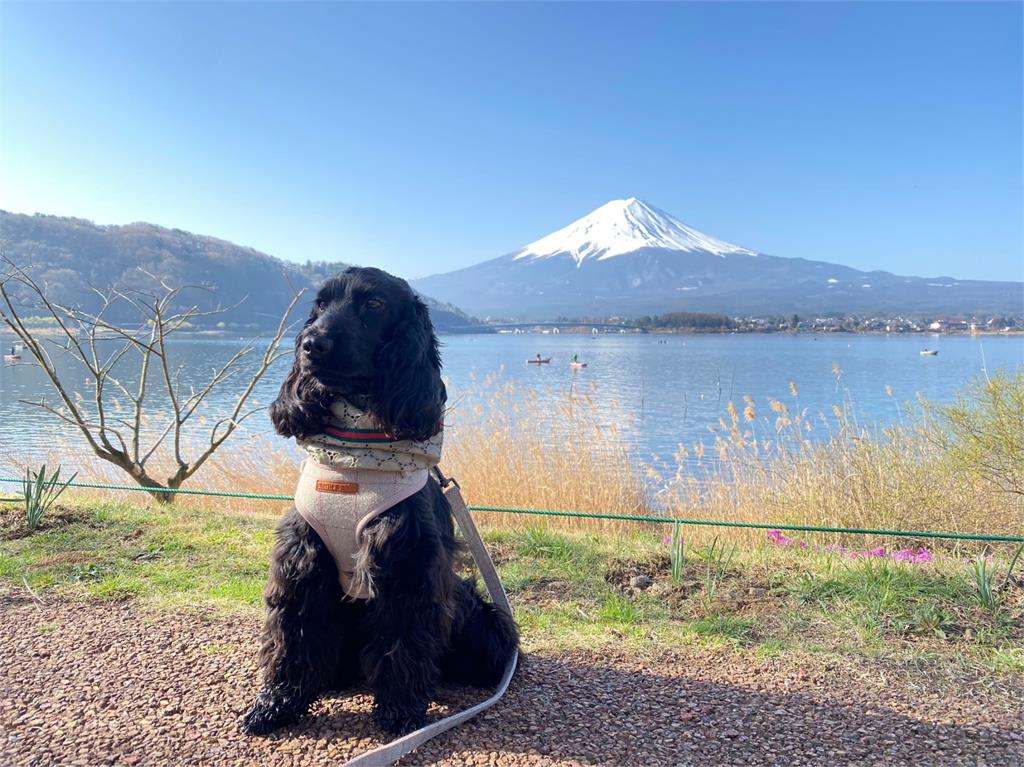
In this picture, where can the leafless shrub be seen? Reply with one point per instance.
(126, 362)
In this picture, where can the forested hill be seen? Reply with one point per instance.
(72, 256)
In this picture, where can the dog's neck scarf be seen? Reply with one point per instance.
(355, 471)
(354, 439)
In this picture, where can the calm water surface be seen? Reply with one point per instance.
(666, 389)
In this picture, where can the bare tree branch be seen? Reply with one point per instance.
(82, 336)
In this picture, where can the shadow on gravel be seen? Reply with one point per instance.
(101, 683)
(563, 711)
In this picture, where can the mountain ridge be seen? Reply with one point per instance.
(73, 255)
(588, 269)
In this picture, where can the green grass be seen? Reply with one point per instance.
(1008, 659)
(617, 609)
(770, 648)
(731, 628)
(569, 589)
(175, 556)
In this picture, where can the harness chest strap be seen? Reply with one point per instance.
(339, 502)
(354, 471)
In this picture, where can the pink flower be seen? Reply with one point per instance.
(668, 540)
(777, 537)
(916, 557)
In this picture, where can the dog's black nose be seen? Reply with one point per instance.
(316, 346)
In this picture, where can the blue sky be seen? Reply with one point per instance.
(422, 138)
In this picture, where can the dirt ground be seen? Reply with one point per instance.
(109, 683)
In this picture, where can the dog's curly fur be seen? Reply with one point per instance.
(369, 339)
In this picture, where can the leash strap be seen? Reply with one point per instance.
(396, 749)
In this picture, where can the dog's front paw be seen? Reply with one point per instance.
(399, 721)
(266, 715)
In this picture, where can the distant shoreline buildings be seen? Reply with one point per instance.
(685, 322)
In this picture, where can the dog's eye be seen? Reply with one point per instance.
(320, 306)
(374, 303)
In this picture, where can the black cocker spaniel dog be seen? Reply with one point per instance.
(369, 340)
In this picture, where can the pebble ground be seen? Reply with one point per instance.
(112, 684)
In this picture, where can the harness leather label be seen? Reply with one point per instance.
(347, 488)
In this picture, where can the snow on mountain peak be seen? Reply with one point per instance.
(623, 226)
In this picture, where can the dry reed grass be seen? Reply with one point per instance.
(781, 466)
(775, 468)
(515, 449)
(250, 462)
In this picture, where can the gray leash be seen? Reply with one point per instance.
(396, 749)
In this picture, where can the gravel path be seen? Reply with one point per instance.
(94, 684)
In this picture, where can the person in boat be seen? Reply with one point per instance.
(539, 359)
(576, 359)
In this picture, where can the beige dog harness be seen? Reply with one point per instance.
(354, 472)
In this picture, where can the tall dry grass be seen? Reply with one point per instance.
(513, 449)
(772, 464)
(250, 462)
(774, 467)
(766, 462)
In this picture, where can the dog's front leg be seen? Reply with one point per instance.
(411, 617)
(303, 631)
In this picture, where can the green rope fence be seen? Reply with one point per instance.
(589, 515)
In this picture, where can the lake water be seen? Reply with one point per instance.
(669, 388)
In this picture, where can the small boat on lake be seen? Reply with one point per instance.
(577, 365)
(926, 352)
(539, 361)
(13, 356)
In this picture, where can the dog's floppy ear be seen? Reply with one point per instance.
(302, 405)
(408, 395)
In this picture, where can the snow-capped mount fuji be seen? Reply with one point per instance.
(629, 258)
(625, 226)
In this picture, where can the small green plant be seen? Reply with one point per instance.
(618, 608)
(982, 578)
(808, 588)
(929, 620)
(85, 573)
(717, 562)
(1013, 563)
(39, 491)
(677, 553)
